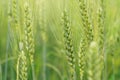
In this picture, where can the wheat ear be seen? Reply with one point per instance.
(87, 26)
(86, 40)
(14, 11)
(94, 62)
(22, 66)
(29, 39)
(68, 44)
(101, 28)
(81, 60)
(101, 16)
(15, 19)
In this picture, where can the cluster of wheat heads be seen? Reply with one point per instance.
(91, 51)
(23, 42)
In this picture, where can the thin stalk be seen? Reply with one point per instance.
(43, 35)
(8, 40)
(113, 67)
(7, 47)
(44, 60)
(0, 72)
(33, 71)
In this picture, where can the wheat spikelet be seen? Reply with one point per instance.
(29, 39)
(94, 62)
(22, 66)
(68, 44)
(15, 22)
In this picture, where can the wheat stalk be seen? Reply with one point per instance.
(68, 44)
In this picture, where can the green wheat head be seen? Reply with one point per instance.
(15, 11)
(14, 20)
(101, 27)
(29, 39)
(22, 66)
(86, 39)
(101, 16)
(68, 44)
(43, 21)
(94, 61)
(87, 26)
(9, 12)
(81, 60)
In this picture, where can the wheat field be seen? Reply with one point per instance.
(59, 39)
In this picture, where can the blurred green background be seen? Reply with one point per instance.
(50, 62)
